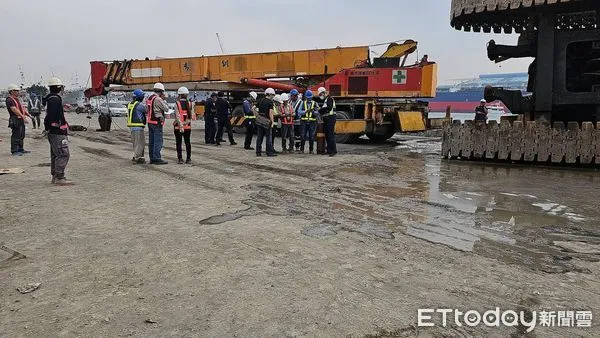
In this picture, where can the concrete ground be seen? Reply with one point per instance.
(297, 245)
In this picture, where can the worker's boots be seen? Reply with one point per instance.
(61, 181)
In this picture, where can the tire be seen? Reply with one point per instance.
(345, 138)
(378, 138)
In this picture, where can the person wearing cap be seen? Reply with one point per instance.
(327, 112)
(156, 110)
(224, 109)
(481, 111)
(34, 106)
(17, 120)
(136, 121)
(183, 125)
(210, 112)
(249, 119)
(56, 127)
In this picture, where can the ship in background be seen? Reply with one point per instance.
(465, 95)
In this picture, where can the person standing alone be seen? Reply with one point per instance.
(34, 106)
(184, 115)
(156, 109)
(136, 121)
(481, 111)
(56, 127)
(16, 121)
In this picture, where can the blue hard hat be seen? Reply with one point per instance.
(308, 94)
(138, 93)
(294, 92)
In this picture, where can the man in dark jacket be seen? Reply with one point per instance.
(223, 114)
(481, 111)
(327, 112)
(210, 112)
(56, 127)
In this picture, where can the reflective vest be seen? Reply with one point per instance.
(250, 114)
(275, 110)
(132, 118)
(18, 105)
(332, 111)
(184, 115)
(287, 110)
(35, 105)
(296, 105)
(150, 106)
(309, 112)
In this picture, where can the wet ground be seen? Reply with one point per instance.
(381, 229)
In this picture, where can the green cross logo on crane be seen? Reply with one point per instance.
(399, 76)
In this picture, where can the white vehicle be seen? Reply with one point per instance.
(115, 109)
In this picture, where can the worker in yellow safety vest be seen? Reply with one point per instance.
(249, 106)
(308, 124)
(136, 122)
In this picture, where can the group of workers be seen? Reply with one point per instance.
(261, 116)
(285, 110)
(55, 126)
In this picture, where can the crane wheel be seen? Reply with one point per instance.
(345, 138)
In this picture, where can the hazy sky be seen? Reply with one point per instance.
(61, 37)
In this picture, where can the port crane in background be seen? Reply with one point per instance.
(374, 97)
(562, 117)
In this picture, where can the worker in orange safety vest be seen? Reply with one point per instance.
(184, 114)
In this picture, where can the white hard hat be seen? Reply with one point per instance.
(181, 91)
(270, 91)
(321, 90)
(285, 97)
(253, 95)
(12, 87)
(159, 86)
(483, 101)
(55, 82)
(278, 98)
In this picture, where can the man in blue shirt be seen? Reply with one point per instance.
(136, 121)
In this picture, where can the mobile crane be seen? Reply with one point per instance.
(374, 97)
